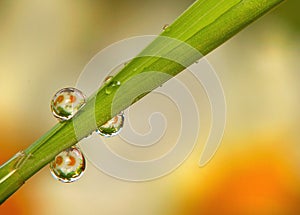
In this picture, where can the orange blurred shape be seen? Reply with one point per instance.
(10, 144)
(258, 182)
(15, 205)
(18, 203)
(258, 189)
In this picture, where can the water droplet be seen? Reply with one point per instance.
(66, 103)
(166, 28)
(112, 127)
(107, 79)
(111, 85)
(108, 90)
(68, 166)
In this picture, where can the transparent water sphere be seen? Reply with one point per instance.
(166, 28)
(66, 103)
(68, 166)
(111, 85)
(112, 127)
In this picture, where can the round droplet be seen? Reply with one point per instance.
(68, 166)
(166, 28)
(66, 102)
(112, 127)
(111, 85)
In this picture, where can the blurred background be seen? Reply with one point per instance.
(44, 46)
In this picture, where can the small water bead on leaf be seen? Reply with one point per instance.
(111, 85)
(68, 166)
(66, 102)
(107, 79)
(166, 28)
(112, 127)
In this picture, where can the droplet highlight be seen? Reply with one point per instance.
(111, 85)
(68, 166)
(112, 127)
(166, 28)
(67, 102)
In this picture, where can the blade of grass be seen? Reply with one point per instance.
(204, 26)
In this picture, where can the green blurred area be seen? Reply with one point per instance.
(288, 12)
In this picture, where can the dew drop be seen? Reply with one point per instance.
(68, 166)
(108, 91)
(111, 85)
(166, 28)
(112, 127)
(66, 103)
(107, 79)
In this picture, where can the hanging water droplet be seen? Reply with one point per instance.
(166, 28)
(68, 166)
(66, 102)
(112, 127)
